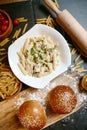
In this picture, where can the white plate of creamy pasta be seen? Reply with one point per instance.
(38, 56)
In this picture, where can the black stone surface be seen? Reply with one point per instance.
(33, 9)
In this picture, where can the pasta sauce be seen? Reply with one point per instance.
(39, 56)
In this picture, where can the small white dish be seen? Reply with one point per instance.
(39, 30)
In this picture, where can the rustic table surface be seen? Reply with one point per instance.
(78, 8)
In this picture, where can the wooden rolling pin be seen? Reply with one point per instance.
(71, 26)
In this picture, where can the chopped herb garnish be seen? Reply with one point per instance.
(32, 52)
(43, 64)
(35, 59)
(34, 45)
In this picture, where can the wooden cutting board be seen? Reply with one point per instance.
(8, 108)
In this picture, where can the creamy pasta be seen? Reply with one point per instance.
(39, 56)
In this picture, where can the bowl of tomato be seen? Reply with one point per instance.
(6, 24)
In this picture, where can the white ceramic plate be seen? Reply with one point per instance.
(39, 30)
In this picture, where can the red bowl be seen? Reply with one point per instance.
(6, 22)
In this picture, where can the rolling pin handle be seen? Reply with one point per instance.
(77, 33)
(52, 6)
